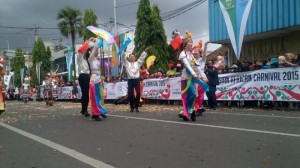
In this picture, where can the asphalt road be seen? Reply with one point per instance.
(36, 136)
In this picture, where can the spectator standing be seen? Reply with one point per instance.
(213, 81)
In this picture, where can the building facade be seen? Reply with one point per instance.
(273, 28)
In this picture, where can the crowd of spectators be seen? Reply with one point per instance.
(286, 60)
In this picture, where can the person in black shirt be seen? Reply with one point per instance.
(213, 80)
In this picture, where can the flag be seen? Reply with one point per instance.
(115, 59)
(123, 46)
(69, 64)
(38, 71)
(22, 70)
(236, 14)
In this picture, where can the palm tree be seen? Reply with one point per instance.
(71, 24)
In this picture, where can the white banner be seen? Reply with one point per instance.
(281, 84)
(7, 81)
(167, 89)
(62, 92)
(115, 90)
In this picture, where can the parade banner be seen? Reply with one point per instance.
(115, 90)
(236, 14)
(281, 84)
(167, 89)
(63, 93)
(7, 80)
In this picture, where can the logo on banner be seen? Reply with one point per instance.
(229, 4)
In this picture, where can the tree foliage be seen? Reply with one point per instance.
(89, 18)
(158, 40)
(70, 24)
(19, 63)
(46, 65)
(142, 35)
(39, 54)
(150, 32)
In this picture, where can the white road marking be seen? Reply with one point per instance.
(255, 115)
(70, 152)
(211, 126)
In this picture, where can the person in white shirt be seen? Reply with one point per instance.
(133, 73)
(84, 80)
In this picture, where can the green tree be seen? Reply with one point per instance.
(70, 24)
(142, 35)
(89, 18)
(158, 40)
(19, 63)
(46, 62)
(38, 55)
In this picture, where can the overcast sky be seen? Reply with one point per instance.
(28, 13)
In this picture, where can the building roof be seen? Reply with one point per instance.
(223, 50)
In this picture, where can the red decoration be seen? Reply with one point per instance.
(83, 48)
(176, 42)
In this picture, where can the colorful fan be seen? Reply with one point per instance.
(102, 33)
(150, 60)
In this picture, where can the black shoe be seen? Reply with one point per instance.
(103, 115)
(200, 111)
(183, 117)
(96, 118)
(83, 112)
(131, 110)
(193, 116)
(86, 114)
(137, 110)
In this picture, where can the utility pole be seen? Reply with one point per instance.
(115, 16)
(35, 32)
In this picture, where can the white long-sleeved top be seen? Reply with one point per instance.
(187, 59)
(133, 68)
(199, 68)
(83, 67)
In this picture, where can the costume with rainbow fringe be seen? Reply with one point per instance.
(199, 69)
(96, 87)
(2, 72)
(188, 82)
